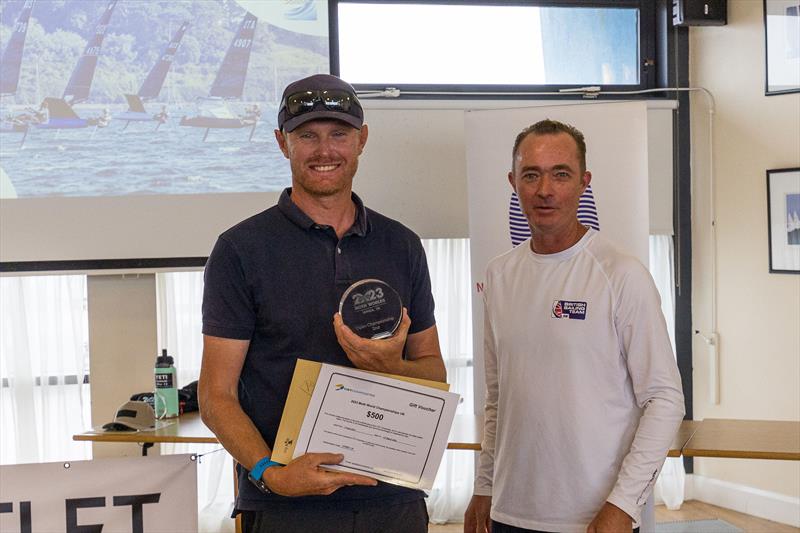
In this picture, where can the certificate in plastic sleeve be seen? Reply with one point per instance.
(386, 428)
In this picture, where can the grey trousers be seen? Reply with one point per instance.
(374, 518)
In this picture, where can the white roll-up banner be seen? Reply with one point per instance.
(616, 155)
(129, 494)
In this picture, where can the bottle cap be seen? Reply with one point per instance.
(164, 359)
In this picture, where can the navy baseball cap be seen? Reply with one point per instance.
(317, 97)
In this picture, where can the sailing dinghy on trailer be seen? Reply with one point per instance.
(213, 111)
(10, 66)
(60, 114)
(151, 87)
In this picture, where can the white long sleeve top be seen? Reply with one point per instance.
(583, 392)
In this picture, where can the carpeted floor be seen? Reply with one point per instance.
(697, 526)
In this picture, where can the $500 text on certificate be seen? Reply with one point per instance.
(304, 380)
(386, 428)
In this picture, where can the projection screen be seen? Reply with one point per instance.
(133, 133)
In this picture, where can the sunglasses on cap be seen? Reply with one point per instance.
(333, 100)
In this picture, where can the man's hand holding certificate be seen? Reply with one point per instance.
(386, 428)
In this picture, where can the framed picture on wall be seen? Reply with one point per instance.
(783, 220)
(782, 46)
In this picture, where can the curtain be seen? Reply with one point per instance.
(44, 358)
(670, 484)
(179, 296)
(449, 265)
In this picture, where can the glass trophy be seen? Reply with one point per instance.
(371, 308)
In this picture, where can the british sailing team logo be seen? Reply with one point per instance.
(569, 309)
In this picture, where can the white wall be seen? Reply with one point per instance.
(759, 312)
(122, 348)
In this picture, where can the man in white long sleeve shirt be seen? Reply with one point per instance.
(583, 393)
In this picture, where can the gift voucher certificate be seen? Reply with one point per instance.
(386, 428)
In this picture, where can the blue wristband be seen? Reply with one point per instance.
(261, 466)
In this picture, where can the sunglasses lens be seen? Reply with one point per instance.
(300, 103)
(337, 100)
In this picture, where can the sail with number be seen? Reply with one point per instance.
(229, 82)
(155, 79)
(80, 83)
(11, 60)
(151, 87)
(213, 111)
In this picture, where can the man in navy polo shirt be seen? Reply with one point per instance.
(272, 288)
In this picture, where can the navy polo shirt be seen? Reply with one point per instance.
(276, 279)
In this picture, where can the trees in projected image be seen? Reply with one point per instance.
(135, 39)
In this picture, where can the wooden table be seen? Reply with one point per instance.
(685, 432)
(465, 434)
(186, 428)
(745, 439)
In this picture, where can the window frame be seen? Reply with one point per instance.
(648, 50)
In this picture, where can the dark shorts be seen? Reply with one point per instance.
(497, 527)
(409, 517)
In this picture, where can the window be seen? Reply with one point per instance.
(44, 369)
(487, 46)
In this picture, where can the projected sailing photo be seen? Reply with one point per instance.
(123, 97)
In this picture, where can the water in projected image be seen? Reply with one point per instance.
(172, 160)
(208, 74)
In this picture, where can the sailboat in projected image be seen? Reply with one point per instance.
(151, 87)
(58, 111)
(10, 66)
(213, 110)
